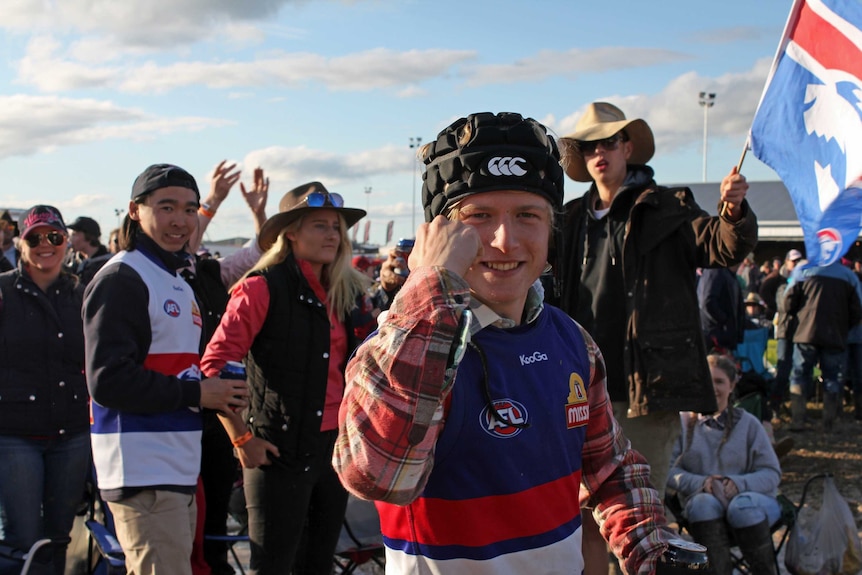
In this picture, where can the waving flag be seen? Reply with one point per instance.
(808, 125)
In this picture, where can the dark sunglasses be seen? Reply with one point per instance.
(608, 144)
(321, 199)
(54, 238)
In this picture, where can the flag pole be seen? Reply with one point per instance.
(747, 145)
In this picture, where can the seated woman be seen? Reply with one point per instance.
(726, 474)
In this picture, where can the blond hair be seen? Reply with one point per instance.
(342, 282)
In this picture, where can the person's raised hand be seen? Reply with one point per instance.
(446, 243)
(733, 189)
(257, 195)
(222, 181)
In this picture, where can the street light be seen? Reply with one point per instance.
(414, 143)
(118, 212)
(367, 198)
(707, 101)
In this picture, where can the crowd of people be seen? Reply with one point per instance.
(526, 351)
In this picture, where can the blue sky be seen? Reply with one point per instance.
(93, 91)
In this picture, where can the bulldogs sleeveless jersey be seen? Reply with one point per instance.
(130, 449)
(504, 499)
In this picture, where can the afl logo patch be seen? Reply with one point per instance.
(510, 411)
(172, 308)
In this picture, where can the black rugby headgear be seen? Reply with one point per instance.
(502, 152)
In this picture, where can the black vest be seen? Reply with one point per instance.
(288, 364)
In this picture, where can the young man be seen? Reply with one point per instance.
(478, 464)
(89, 253)
(630, 251)
(142, 330)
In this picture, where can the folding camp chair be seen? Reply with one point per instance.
(21, 562)
(784, 525)
(360, 540)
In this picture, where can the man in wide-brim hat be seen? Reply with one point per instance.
(630, 250)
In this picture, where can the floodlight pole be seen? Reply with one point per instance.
(707, 101)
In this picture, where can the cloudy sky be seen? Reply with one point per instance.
(96, 90)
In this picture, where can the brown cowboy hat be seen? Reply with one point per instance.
(602, 120)
(298, 202)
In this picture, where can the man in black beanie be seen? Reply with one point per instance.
(477, 416)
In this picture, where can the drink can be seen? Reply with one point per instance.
(233, 370)
(403, 249)
(683, 556)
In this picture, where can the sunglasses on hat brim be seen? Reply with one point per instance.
(322, 199)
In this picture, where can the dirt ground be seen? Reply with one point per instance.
(815, 452)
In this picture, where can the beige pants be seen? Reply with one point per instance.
(653, 436)
(156, 530)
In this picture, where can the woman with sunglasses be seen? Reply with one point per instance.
(44, 424)
(289, 318)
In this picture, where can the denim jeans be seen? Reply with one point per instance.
(41, 486)
(295, 513)
(805, 357)
(783, 363)
(746, 509)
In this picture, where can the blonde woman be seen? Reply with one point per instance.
(289, 318)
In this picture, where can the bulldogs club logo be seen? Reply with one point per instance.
(831, 245)
(511, 412)
(172, 308)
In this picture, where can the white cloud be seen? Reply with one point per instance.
(378, 68)
(32, 124)
(142, 23)
(570, 63)
(287, 166)
(675, 116)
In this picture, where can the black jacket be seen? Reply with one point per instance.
(825, 300)
(42, 387)
(655, 356)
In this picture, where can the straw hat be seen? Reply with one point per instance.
(296, 203)
(602, 120)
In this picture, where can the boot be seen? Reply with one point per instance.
(715, 536)
(831, 405)
(797, 412)
(755, 542)
(857, 406)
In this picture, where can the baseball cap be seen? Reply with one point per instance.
(794, 255)
(361, 263)
(160, 176)
(41, 215)
(86, 225)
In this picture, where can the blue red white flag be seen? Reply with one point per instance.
(808, 125)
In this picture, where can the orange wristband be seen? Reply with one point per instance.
(205, 212)
(242, 439)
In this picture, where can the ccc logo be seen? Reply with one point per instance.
(506, 166)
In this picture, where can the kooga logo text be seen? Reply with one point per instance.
(537, 356)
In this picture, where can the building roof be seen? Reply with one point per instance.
(770, 201)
